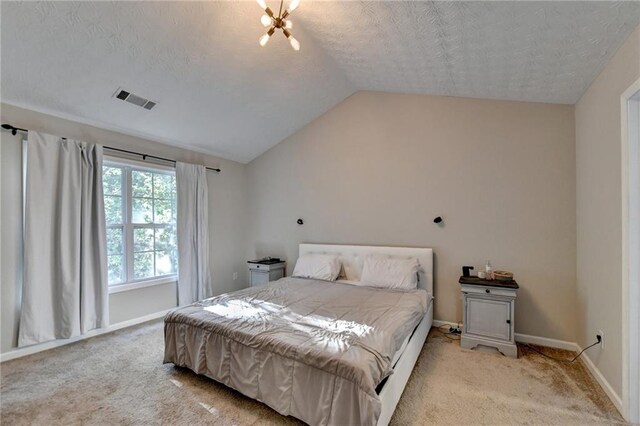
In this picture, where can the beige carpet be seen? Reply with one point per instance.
(120, 379)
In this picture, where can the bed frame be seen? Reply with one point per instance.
(352, 258)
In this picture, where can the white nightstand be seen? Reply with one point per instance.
(260, 273)
(488, 309)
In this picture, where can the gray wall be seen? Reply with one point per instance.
(379, 167)
(11, 238)
(227, 219)
(599, 209)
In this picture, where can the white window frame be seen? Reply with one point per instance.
(129, 282)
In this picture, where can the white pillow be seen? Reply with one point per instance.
(385, 271)
(318, 266)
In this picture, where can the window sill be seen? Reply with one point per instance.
(119, 288)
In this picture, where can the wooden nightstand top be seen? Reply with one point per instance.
(492, 283)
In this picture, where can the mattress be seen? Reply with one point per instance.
(311, 349)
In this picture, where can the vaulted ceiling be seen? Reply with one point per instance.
(219, 92)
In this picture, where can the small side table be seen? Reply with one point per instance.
(488, 309)
(261, 273)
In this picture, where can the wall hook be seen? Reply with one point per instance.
(300, 222)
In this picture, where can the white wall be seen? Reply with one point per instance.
(227, 219)
(599, 214)
(377, 168)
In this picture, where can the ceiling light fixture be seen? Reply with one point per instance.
(280, 22)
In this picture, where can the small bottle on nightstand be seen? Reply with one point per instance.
(488, 270)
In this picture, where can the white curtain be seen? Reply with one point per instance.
(194, 280)
(65, 290)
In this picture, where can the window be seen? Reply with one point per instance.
(140, 212)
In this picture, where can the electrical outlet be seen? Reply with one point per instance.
(235, 276)
(601, 334)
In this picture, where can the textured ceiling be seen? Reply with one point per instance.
(517, 50)
(219, 92)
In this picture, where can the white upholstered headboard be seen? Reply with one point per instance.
(352, 258)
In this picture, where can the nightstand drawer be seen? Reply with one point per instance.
(495, 291)
(266, 268)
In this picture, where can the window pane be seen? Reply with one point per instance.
(142, 239)
(113, 209)
(165, 239)
(153, 251)
(163, 186)
(142, 210)
(114, 241)
(112, 180)
(143, 265)
(163, 210)
(115, 267)
(166, 263)
(141, 184)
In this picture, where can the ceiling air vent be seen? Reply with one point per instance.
(134, 99)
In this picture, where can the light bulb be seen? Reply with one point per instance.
(288, 24)
(294, 5)
(262, 4)
(294, 43)
(265, 20)
(264, 39)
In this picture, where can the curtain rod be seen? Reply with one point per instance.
(15, 130)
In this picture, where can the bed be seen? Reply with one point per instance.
(328, 353)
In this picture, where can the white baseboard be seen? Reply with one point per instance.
(526, 338)
(29, 350)
(548, 342)
(604, 384)
(569, 346)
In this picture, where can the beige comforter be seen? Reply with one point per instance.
(312, 349)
